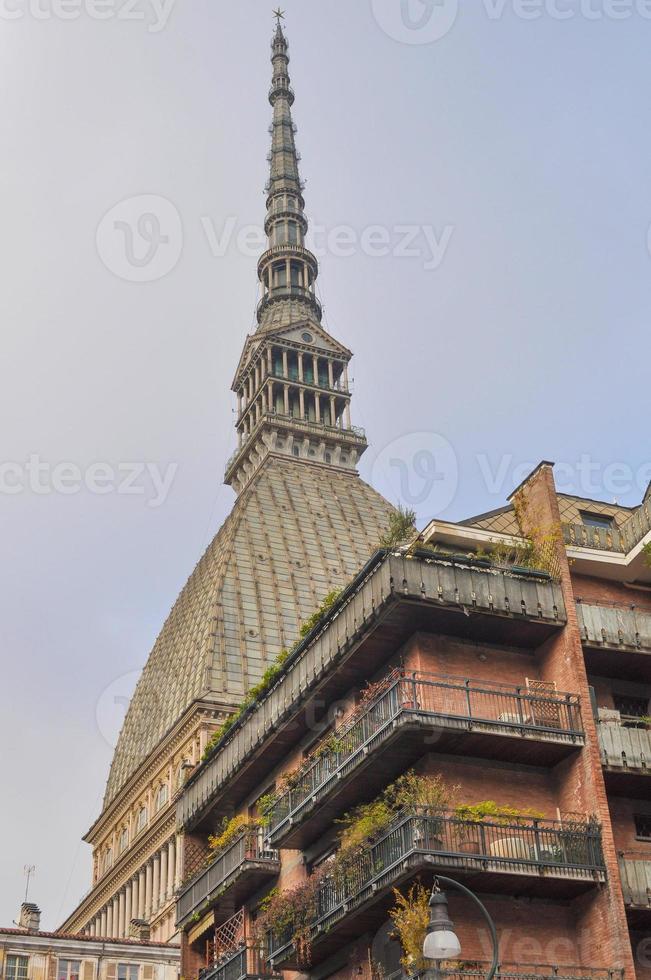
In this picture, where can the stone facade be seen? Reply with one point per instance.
(35, 955)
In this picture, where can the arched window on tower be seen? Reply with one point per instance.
(280, 274)
(162, 796)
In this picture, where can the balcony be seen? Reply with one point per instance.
(471, 717)
(635, 876)
(531, 857)
(392, 597)
(244, 963)
(616, 638)
(521, 971)
(280, 293)
(626, 758)
(233, 875)
(622, 539)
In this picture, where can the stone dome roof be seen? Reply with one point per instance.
(297, 531)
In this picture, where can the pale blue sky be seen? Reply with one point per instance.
(521, 144)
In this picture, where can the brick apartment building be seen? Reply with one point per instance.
(516, 696)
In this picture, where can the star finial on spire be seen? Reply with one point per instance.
(279, 15)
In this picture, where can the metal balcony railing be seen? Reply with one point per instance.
(477, 970)
(247, 850)
(419, 839)
(470, 705)
(288, 293)
(520, 971)
(517, 603)
(635, 875)
(249, 961)
(626, 749)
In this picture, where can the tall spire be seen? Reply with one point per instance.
(287, 270)
(292, 380)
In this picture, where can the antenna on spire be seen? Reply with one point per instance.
(29, 870)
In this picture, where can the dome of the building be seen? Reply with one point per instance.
(296, 532)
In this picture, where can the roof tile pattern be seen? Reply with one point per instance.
(503, 520)
(294, 534)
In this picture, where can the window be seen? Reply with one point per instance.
(16, 968)
(124, 840)
(141, 819)
(597, 520)
(128, 971)
(631, 708)
(296, 451)
(68, 969)
(643, 826)
(162, 796)
(307, 338)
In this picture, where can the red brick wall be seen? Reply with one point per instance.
(478, 661)
(622, 812)
(486, 780)
(598, 590)
(530, 932)
(193, 958)
(580, 779)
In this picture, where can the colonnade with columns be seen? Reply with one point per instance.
(287, 382)
(145, 894)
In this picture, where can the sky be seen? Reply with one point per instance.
(479, 187)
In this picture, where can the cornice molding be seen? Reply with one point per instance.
(191, 719)
(131, 863)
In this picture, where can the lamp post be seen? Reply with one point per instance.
(441, 941)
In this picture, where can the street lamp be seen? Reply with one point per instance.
(441, 941)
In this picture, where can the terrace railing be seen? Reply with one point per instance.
(247, 849)
(625, 748)
(523, 847)
(635, 875)
(469, 705)
(614, 626)
(248, 961)
(621, 539)
(438, 582)
(477, 970)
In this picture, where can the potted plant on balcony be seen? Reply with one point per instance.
(230, 831)
(408, 692)
(469, 834)
(288, 916)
